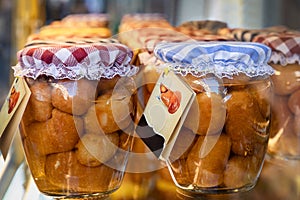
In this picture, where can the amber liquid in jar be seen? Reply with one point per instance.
(222, 144)
(77, 135)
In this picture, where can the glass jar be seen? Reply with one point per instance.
(77, 127)
(222, 144)
(285, 127)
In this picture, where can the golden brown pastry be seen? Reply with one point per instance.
(58, 134)
(285, 81)
(64, 170)
(40, 101)
(113, 113)
(244, 123)
(262, 93)
(74, 97)
(207, 160)
(95, 149)
(294, 102)
(241, 171)
(207, 114)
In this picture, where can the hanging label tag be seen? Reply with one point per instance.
(11, 113)
(165, 113)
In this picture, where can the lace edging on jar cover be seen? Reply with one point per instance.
(75, 61)
(223, 59)
(279, 58)
(95, 72)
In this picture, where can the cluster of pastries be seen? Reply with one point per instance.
(74, 26)
(222, 144)
(83, 20)
(64, 122)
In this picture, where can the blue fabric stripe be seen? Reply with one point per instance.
(240, 56)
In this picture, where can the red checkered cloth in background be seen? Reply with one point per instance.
(286, 43)
(75, 60)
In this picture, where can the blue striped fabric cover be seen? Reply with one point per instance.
(224, 59)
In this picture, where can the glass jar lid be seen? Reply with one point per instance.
(75, 60)
(223, 59)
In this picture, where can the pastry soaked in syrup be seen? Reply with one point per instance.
(95, 149)
(241, 171)
(40, 101)
(207, 114)
(113, 112)
(207, 160)
(285, 79)
(74, 97)
(251, 127)
(58, 134)
(65, 171)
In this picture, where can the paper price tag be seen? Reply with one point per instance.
(165, 113)
(11, 113)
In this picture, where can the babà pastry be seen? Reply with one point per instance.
(95, 149)
(241, 171)
(40, 101)
(206, 161)
(74, 97)
(113, 112)
(285, 82)
(207, 115)
(251, 129)
(66, 172)
(58, 134)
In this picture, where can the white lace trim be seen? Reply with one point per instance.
(94, 72)
(220, 70)
(279, 58)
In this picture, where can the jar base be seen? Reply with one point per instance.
(214, 192)
(93, 196)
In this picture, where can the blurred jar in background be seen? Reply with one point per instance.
(284, 140)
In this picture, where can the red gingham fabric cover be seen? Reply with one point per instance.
(75, 60)
(285, 46)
